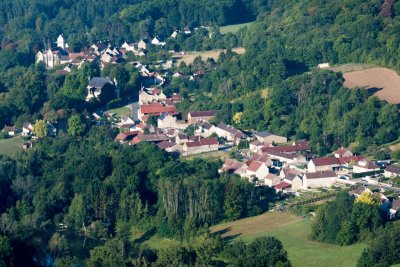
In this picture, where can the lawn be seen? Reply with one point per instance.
(293, 231)
(220, 154)
(119, 111)
(11, 145)
(233, 28)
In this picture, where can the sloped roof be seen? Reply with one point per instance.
(157, 108)
(395, 204)
(393, 169)
(254, 166)
(344, 160)
(205, 113)
(325, 161)
(282, 185)
(165, 144)
(232, 130)
(99, 82)
(341, 151)
(366, 164)
(319, 175)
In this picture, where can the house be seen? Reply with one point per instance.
(166, 145)
(151, 95)
(231, 165)
(392, 171)
(257, 169)
(256, 145)
(204, 128)
(283, 187)
(261, 158)
(124, 128)
(126, 120)
(181, 138)
(174, 34)
(187, 31)
(359, 190)
(125, 137)
(295, 180)
(149, 138)
(394, 208)
(205, 115)
(319, 179)
(343, 152)
(98, 84)
(271, 180)
(9, 130)
(167, 121)
(142, 45)
(155, 109)
(297, 147)
(27, 128)
(349, 161)
(323, 164)
(288, 158)
(365, 166)
(229, 132)
(270, 138)
(176, 98)
(61, 42)
(203, 145)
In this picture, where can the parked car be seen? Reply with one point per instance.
(344, 177)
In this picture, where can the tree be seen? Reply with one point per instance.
(40, 128)
(263, 251)
(367, 198)
(76, 126)
(112, 253)
(58, 245)
(5, 252)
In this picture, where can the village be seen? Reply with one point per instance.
(263, 158)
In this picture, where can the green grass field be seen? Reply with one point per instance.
(293, 232)
(233, 28)
(119, 111)
(11, 145)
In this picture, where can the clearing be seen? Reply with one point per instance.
(293, 231)
(189, 57)
(10, 146)
(220, 154)
(234, 27)
(382, 82)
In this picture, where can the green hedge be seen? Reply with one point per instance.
(363, 174)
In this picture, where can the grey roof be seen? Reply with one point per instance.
(265, 134)
(99, 82)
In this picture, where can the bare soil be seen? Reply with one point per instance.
(382, 82)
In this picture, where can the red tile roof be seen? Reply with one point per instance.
(254, 166)
(325, 161)
(344, 160)
(157, 109)
(282, 185)
(341, 151)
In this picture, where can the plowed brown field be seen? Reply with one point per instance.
(382, 82)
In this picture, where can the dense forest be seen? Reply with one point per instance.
(101, 189)
(111, 198)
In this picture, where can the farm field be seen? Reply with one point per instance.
(11, 145)
(382, 82)
(190, 56)
(293, 231)
(234, 27)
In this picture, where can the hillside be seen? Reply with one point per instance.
(384, 83)
(293, 232)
